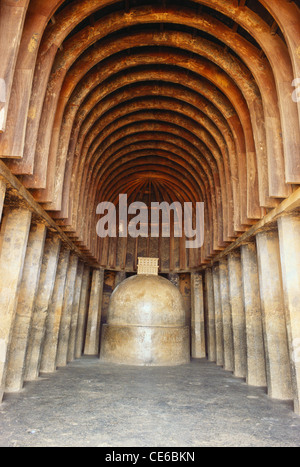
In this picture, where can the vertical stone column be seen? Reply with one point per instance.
(175, 279)
(2, 196)
(226, 315)
(185, 290)
(83, 311)
(27, 296)
(289, 236)
(14, 236)
(65, 323)
(256, 363)
(48, 359)
(218, 317)
(211, 329)
(275, 331)
(75, 312)
(92, 341)
(237, 314)
(120, 277)
(197, 317)
(41, 305)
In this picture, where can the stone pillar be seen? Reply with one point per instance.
(2, 196)
(211, 329)
(226, 315)
(275, 330)
(289, 237)
(41, 305)
(75, 312)
(48, 359)
(27, 296)
(197, 317)
(120, 277)
(14, 236)
(256, 363)
(218, 317)
(83, 311)
(185, 290)
(175, 279)
(237, 314)
(92, 341)
(65, 323)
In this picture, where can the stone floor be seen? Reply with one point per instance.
(94, 404)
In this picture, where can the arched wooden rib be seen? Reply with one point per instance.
(242, 15)
(250, 154)
(12, 17)
(79, 153)
(216, 219)
(104, 106)
(188, 43)
(38, 15)
(117, 99)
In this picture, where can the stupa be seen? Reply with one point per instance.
(146, 324)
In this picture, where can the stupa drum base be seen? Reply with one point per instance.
(146, 324)
(152, 346)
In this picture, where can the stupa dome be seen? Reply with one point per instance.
(146, 301)
(146, 324)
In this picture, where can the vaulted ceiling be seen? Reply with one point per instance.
(171, 100)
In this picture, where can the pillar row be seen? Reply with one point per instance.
(289, 237)
(43, 302)
(92, 341)
(274, 321)
(14, 236)
(26, 300)
(197, 317)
